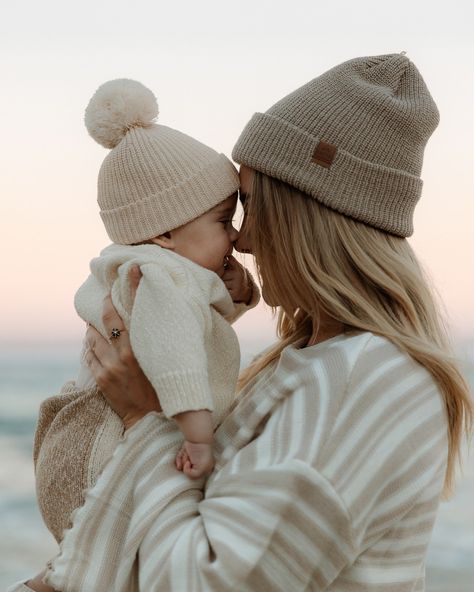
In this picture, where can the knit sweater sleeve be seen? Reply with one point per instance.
(168, 324)
(168, 319)
(280, 513)
(185, 541)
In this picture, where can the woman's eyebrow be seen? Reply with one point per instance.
(226, 210)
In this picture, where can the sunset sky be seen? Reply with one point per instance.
(211, 64)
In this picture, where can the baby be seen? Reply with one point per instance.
(167, 202)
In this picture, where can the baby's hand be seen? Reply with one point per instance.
(195, 459)
(237, 281)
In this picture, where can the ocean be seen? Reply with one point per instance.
(28, 375)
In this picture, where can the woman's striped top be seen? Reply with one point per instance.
(329, 471)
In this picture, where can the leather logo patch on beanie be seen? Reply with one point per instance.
(374, 115)
(324, 154)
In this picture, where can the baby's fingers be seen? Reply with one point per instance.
(192, 471)
(181, 459)
(233, 262)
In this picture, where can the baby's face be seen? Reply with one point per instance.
(207, 240)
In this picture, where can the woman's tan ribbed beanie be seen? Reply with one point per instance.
(353, 139)
(155, 178)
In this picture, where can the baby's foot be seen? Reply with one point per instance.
(195, 459)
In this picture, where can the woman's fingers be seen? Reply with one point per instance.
(102, 359)
(113, 322)
(116, 331)
(99, 357)
(95, 341)
(111, 319)
(93, 362)
(116, 371)
(134, 277)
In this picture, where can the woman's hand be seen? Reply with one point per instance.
(115, 368)
(236, 279)
(37, 584)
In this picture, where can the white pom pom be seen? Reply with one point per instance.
(116, 107)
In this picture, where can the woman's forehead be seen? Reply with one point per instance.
(246, 176)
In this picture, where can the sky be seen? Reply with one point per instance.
(211, 64)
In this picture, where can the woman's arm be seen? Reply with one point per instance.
(272, 527)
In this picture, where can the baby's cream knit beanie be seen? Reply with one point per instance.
(353, 139)
(155, 178)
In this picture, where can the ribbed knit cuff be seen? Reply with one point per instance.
(149, 217)
(184, 391)
(350, 186)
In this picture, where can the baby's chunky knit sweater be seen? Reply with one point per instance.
(179, 324)
(180, 333)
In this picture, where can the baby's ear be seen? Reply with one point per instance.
(164, 240)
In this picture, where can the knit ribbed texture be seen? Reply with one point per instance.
(187, 389)
(157, 179)
(377, 114)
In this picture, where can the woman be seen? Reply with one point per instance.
(344, 435)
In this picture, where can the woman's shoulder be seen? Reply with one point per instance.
(340, 369)
(353, 357)
(366, 416)
(339, 390)
(359, 387)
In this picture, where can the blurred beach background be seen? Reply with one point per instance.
(212, 64)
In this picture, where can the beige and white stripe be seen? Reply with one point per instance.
(328, 476)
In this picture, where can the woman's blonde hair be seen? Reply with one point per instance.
(311, 259)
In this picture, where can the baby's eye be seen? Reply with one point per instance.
(227, 221)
